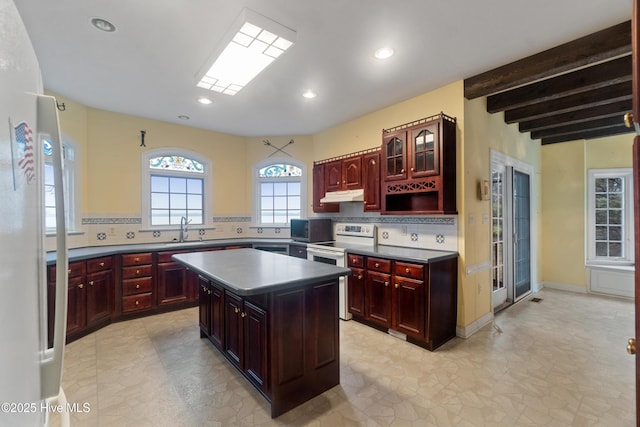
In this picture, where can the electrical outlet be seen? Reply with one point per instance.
(404, 230)
(479, 288)
(112, 231)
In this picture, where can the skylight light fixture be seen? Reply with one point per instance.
(309, 94)
(383, 53)
(250, 45)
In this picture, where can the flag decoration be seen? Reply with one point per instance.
(24, 141)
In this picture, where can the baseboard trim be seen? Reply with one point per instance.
(472, 328)
(563, 287)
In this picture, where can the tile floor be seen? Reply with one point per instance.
(558, 362)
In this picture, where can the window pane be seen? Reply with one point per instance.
(293, 188)
(279, 217)
(160, 217)
(615, 217)
(293, 202)
(177, 185)
(615, 185)
(601, 185)
(280, 202)
(601, 201)
(615, 234)
(601, 249)
(194, 186)
(159, 183)
(50, 217)
(266, 203)
(615, 201)
(266, 217)
(293, 214)
(601, 217)
(601, 233)
(178, 201)
(159, 201)
(194, 201)
(280, 188)
(615, 250)
(175, 216)
(266, 189)
(196, 216)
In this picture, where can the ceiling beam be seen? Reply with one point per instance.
(585, 79)
(618, 108)
(603, 123)
(593, 98)
(598, 133)
(600, 46)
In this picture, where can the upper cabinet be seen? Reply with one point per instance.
(344, 174)
(419, 167)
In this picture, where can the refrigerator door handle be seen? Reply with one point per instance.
(51, 364)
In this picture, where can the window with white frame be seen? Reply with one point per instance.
(610, 216)
(50, 188)
(175, 186)
(279, 192)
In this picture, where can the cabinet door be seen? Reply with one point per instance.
(333, 175)
(204, 304)
(371, 173)
(172, 283)
(319, 190)
(425, 150)
(216, 320)
(255, 344)
(99, 289)
(409, 306)
(352, 173)
(355, 283)
(233, 342)
(378, 303)
(76, 305)
(394, 150)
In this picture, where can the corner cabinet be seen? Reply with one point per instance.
(419, 167)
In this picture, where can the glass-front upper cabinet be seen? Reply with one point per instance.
(394, 145)
(424, 150)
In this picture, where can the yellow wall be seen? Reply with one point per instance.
(564, 187)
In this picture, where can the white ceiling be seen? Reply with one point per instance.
(148, 66)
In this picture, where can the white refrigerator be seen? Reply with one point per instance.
(29, 372)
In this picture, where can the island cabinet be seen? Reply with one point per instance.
(419, 167)
(279, 317)
(416, 300)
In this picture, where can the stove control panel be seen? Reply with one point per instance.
(361, 230)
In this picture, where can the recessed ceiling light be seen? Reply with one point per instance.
(383, 53)
(103, 25)
(204, 100)
(309, 94)
(252, 43)
(183, 117)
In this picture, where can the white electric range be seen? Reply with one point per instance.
(346, 235)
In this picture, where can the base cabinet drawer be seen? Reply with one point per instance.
(136, 302)
(136, 286)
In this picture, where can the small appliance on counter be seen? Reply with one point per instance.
(311, 230)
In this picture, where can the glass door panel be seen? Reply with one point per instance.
(522, 234)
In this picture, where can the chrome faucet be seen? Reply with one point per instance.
(184, 235)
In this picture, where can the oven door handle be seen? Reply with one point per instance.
(328, 254)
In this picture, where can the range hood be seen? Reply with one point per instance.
(343, 196)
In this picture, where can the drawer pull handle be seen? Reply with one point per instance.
(407, 270)
(91, 283)
(102, 264)
(377, 265)
(236, 310)
(137, 286)
(138, 272)
(80, 286)
(136, 259)
(243, 314)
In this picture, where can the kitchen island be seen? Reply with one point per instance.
(275, 318)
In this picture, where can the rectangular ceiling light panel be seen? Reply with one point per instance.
(252, 43)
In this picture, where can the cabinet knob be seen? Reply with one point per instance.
(412, 169)
(397, 285)
(386, 283)
(377, 264)
(102, 264)
(407, 270)
(137, 302)
(628, 120)
(359, 276)
(69, 271)
(401, 170)
(80, 286)
(243, 314)
(136, 259)
(338, 183)
(137, 286)
(236, 310)
(91, 283)
(138, 272)
(209, 291)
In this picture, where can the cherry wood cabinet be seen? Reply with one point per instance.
(172, 284)
(344, 174)
(319, 190)
(99, 286)
(137, 282)
(419, 167)
(371, 169)
(418, 300)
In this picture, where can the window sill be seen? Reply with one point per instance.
(269, 226)
(69, 233)
(608, 266)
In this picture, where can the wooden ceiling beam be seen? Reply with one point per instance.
(618, 108)
(600, 46)
(593, 98)
(585, 79)
(598, 133)
(603, 123)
